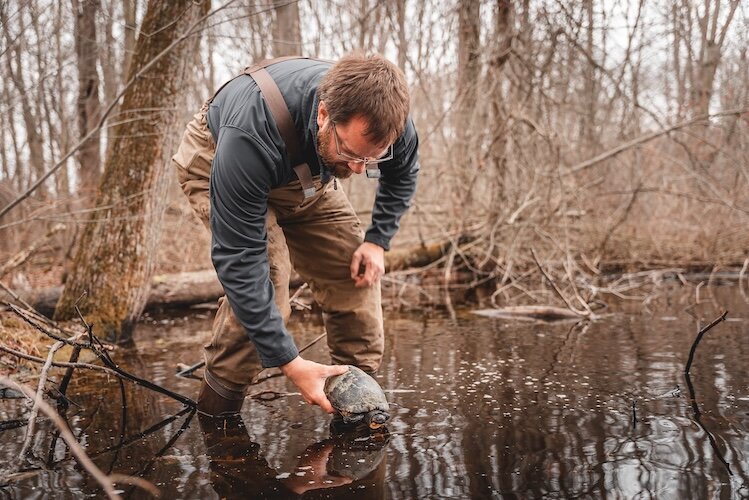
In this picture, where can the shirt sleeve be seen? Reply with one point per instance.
(396, 188)
(241, 178)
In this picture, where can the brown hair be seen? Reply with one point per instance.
(371, 86)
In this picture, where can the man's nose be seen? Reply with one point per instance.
(356, 166)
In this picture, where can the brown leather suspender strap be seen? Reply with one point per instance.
(284, 122)
(282, 117)
(280, 111)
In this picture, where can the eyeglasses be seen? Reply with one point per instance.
(354, 159)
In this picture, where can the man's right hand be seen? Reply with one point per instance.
(309, 377)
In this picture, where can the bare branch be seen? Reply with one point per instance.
(648, 137)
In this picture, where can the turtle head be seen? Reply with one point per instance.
(376, 418)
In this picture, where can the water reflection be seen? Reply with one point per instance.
(339, 465)
(482, 408)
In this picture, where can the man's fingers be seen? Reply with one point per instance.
(338, 370)
(325, 405)
(355, 262)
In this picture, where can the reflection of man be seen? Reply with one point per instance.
(271, 201)
(238, 470)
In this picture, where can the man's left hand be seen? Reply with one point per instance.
(371, 258)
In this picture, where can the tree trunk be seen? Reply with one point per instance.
(31, 119)
(111, 66)
(469, 52)
(588, 116)
(287, 38)
(58, 101)
(130, 11)
(89, 107)
(504, 34)
(115, 256)
(467, 133)
(401, 35)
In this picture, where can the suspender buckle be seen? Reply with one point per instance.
(373, 173)
(308, 193)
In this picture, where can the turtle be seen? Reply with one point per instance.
(357, 397)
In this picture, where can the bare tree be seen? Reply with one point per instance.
(130, 12)
(287, 37)
(711, 42)
(89, 107)
(115, 255)
(469, 67)
(15, 67)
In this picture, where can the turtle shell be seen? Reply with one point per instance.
(355, 394)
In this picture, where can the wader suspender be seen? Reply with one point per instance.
(282, 117)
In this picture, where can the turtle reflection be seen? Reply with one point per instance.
(337, 466)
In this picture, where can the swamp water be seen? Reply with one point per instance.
(482, 408)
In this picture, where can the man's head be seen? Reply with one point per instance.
(363, 108)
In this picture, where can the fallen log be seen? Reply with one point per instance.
(544, 313)
(172, 290)
(198, 287)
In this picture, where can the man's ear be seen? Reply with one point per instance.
(322, 114)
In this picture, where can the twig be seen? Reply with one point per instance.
(186, 372)
(698, 420)
(297, 293)
(15, 296)
(110, 366)
(142, 434)
(696, 342)
(24, 316)
(446, 279)
(69, 372)
(645, 138)
(37, 401)
(116, 371)
(168, 445)
(104, 481)
(18, 259)
(270, 395)
(556, 289)
(58, 364)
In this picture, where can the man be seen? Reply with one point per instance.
(266, 208)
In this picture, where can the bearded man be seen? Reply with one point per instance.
(259, 164)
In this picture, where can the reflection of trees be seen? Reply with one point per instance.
(586, 443)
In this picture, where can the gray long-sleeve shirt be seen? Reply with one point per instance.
(251, 160)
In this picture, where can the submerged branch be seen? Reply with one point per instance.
(104, 481)
(696, 342)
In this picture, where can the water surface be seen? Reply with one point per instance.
(482, 408)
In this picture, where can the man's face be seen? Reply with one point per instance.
(351, 142)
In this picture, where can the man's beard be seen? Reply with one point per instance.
(332, 163)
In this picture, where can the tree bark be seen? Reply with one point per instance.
(469, 53)
(89, 106)
(130, 11)
(115, 256)
(287, 37)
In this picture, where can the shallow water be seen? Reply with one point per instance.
(482, 408)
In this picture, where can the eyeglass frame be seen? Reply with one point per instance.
(354, 159)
